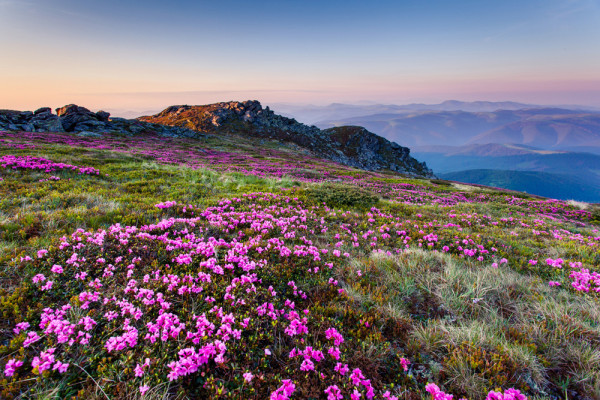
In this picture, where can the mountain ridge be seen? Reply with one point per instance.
(349, 145)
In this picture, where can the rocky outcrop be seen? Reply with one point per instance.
(73, 118)
(42, 120)
(349, 145)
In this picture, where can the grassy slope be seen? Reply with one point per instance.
(464, 324)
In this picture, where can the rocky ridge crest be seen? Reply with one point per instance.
(349, 145)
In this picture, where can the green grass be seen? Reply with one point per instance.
(467, 325)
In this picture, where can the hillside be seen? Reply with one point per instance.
(450, 159)
(230, 266)
(353, 146)
(349, 145)
(553, 185)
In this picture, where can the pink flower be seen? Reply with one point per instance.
(341, 368)
(405, 363)
(388, 396)
(44, 361)
(334, 352)
(60, 366)
(333, 333)
(333, 393)
(248, 377)
(11, 366)
(144, 389)
(307, 365)
(509, 394)
(437, 393)
(57, 269)
(32, 337)
(284, 391)
(21, 326)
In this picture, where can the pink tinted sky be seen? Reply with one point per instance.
(126, 55)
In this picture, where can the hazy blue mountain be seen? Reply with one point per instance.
(311, 114)
(453, 159)
(487, 150)
(554, 185)
(541, 127)
(547, 131)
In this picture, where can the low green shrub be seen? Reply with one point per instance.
(337, 195)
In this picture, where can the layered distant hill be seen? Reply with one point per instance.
(312, 114)
(559, 131)
(559, 147)
(548, 128)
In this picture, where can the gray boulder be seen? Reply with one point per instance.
(44, 121)
(75, 118)
(102, 116)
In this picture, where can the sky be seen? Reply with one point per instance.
(147, 55)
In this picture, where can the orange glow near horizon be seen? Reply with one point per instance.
(106, 95)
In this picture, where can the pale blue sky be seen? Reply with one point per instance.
(130, 54)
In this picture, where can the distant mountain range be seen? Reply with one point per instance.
(547, 128)
(313, 114)
(549, 151)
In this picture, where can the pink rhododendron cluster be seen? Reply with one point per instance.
(204, 294)
(509, 394)
(129, 306)
(42, 164)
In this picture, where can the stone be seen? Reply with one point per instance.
(44, 121)
(43, 110)
(71, 115)
(103, 115)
